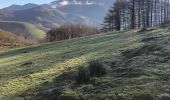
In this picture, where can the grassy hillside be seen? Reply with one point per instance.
(23, 29)
(9, 40)
(138, 66)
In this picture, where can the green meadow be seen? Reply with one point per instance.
(136, 62)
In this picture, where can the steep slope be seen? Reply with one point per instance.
(22, 29)
(137, 68)
(9, 40)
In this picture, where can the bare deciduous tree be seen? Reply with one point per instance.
(70, 31)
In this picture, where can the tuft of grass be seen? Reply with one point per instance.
(96, 68)
(83, 75)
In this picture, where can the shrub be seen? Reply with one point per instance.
(96, 68)
(83, 75)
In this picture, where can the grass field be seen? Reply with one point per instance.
(23, 28)
(39, 71)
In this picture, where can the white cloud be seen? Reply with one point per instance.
(63, 3)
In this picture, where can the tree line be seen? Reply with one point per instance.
(69, 31)
(136, 14)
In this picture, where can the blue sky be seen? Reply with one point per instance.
(5, 3)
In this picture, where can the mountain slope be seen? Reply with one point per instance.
(93, 11)
(59, 12)
(137, 67)
(9, 40)
(21, 7)
(46, 17)
(22, 29)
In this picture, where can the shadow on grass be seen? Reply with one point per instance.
(35, 67)
(51, 90)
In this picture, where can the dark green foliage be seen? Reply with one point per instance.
(96, 68)
(83, 75)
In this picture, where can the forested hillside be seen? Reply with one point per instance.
(141, 14)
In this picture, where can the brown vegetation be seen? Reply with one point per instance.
(9, 40)
(70, 31)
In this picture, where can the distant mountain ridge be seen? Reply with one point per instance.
(21, 7)
(59, 12)
(46, 17)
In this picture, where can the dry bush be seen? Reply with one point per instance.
(70, 31)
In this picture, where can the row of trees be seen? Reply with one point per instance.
(70, 31)
(131, 14)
